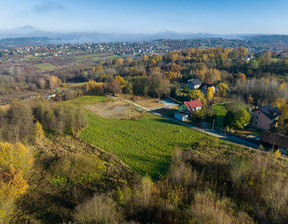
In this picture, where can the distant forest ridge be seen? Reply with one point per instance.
(254, 43)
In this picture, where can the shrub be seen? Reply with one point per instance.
(101, 209)
(79, 168)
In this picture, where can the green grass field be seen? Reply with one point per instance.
(220, 111)
(145, 144)
(45, 66)
(86, 100)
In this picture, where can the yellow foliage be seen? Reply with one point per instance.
(93, 87)
(17, 181)
(99, 69)
(210, 93)
(120, 79)
(15, 162)
(279, 102)
(54, 82)
(16, 155)
(282, 86)
(277, 153)
(39, 133)
(242, 76)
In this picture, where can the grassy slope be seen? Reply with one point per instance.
(145, 144)
(44, 66)
(85, 100)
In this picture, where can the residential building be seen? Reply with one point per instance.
(265, 117)
(190, 106)
(193, 84)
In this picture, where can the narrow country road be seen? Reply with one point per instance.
(213, 133)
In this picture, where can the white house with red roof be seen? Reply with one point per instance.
(190, 106)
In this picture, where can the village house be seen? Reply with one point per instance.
(193, 84)
(275, 141)
(265, 117)
(190, 106)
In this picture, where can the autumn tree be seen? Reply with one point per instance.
(242, 118)
(119, 79)
(197, 94)
(241, 76)
(15, 164)
(222, 89)
(99, 209)
(53, 82)
(128, 88)
(92, 87)
(17, 123)
(39, 133)
(210, 93)
(114, 87)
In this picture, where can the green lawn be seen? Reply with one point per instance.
(145, 144)
(220, 111)
(45, 66)
(85, 100)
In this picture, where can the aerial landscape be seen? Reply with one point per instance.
(144, 112)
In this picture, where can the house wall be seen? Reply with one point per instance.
(183, 109)
(197, 108)
(283, 151)
(260, 120)
(191, 86)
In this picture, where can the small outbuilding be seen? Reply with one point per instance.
(181, 117)
(275, 141)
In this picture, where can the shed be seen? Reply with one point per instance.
(181, 117)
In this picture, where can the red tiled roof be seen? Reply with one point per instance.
(193, 104)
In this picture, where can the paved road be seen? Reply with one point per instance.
(213, 133)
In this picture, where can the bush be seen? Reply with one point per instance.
(208, 208)
(101, 209)
(79, 168)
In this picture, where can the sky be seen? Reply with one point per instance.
(147, 16)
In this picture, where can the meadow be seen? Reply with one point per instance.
(86, 100)
(144, 144)
(44, 66)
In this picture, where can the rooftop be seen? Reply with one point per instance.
(193, 104)
(195, 81)
(275, 139)
(270, 111)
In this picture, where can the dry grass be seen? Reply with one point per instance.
(150, 103)
(114, 109)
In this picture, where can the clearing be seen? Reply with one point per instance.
(145, 144)
(44, 66)
(114, 109)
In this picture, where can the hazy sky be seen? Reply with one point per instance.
(147, 16)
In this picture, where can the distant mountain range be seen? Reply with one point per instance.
(81, 37)
(29, 35)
